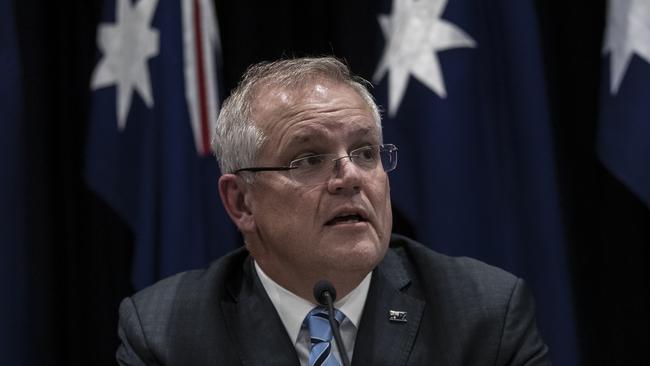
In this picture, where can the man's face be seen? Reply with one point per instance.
(313, 231)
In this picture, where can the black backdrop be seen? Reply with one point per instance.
(79, 250)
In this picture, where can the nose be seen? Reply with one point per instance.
(347, 177)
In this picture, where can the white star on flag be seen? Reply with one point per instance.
(127, 45)
(414, 34)
(628, 33)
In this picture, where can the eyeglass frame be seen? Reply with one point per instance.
(390, 147)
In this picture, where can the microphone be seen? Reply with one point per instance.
(325, 294)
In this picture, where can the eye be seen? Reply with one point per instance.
(308, 162)
(366, 154)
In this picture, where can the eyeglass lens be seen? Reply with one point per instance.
(319, 168)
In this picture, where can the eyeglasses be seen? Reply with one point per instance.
(315, 169)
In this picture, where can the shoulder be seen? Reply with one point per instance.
(149, 318)
(458, 286)
(462, 274)
(489, 311)
(195, 283)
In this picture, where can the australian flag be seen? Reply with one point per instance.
(466, 105)
(624, 129)
(154, 107)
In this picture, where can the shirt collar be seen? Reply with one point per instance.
(293, 309)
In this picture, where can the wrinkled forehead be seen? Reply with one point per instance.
(319, 112)
(271, 99)
(270, 95)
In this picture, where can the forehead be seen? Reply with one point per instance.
(315, 111)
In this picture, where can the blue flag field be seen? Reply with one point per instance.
(624, 129)
(466, 105)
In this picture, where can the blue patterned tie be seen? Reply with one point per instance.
(320, 334)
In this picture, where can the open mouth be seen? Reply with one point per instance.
(346, 219)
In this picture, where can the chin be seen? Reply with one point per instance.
(359, 255)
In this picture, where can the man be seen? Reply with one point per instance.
(306, 183)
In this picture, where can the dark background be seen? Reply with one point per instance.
(79, 250)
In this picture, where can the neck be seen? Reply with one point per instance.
(303, 284)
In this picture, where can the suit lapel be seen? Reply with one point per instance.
(381, 341)
(255, 325)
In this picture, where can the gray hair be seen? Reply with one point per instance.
(238, 139)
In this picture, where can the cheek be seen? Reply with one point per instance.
(388, 218)
(286, 207)
(380, 197)
(388, 210)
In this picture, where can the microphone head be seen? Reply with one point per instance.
(320, 288)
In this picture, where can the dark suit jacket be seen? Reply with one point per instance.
(459, 312)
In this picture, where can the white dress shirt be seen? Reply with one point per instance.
(293, 309)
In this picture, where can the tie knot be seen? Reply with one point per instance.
(318, 324)
(320, 334)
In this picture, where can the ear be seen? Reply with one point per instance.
(233, 191)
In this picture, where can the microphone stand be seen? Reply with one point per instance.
(325, 294)
(335, 328)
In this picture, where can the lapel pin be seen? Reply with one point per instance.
(397, 316)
